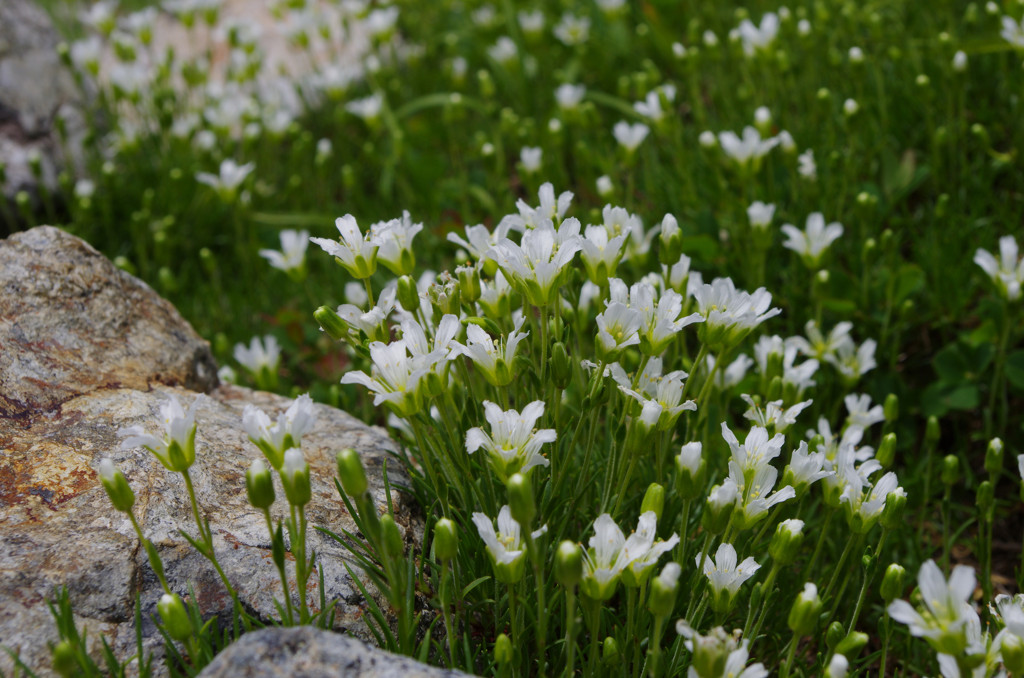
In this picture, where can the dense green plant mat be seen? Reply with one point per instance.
(593, 361)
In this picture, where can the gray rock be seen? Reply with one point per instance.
(120, 352)
(72, 322)
(306, 652)
(35, 88)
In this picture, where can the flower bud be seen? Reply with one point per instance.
(174, 616)
(887, 450)
(986, 499)
(774, 391)
(520, 500)
(931, 431)
(408, 294)
(891, 408)
(803, 616)
(838, 667)
(720, 504)
(786, 542)
(561, 365)
(1012, 650)
(118, 489)
(391, 538)
(331, 323)
(503, 652)
(259, 485)
(351, 473)
(446, 540)
(691, 469)
(65, 659)
(852, 644)
(469, 283)
(834, 635)
(568, 564)
(654, 500)
(610, 655)
(994, 457)
(895, 505)
(295, 478)
(892, 583)
(950, 470)
(663, 590)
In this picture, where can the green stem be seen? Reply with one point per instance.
(655, 668)
(570, 622)
(282, 573)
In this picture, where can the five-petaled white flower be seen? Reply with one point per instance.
(261, 354)
(394, 238)
(292, 257)
(611, 555)
(354, 251)
(176, 448)
(1007, 272)
(759, 38)
(229, 178)
(513, 444)
(812, 242)
(535, 266)
(945, 611)
(724, 574)
(494, 360)
(630, 136)
(730, 314)
(747, 150)
(274, 438)
(505, 545)
(718, 654)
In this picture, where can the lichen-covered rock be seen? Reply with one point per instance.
(111, 364)
(306, 652)
(72, 322)
(35, 88)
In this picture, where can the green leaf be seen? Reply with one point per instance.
(1015, 369)
(940, 398)
(960, 362)
(909, 279)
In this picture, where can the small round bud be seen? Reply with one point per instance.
(561, 365)
(446, 540)
(852, 644)
(663, 590)
(259, 485)
(174, 617)
(787, 540)
(351, 472)
(892, 582)
(118, 489)
(691, 469)
(520, 500)
(391, 537)
(568, 564)
(503, 652)
(610, 655)
(654, 500)
(65, 659)
(803, 616)
(994, 457)
(331, 322)
(931, 430)
(1012, 650)
(835, 634)
(986, 498)
(295, 478)
(719, 507)
(887, 450)
(891, 408)
(950, 470)
(895, 506)
(408, 294)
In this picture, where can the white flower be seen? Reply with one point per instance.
(231, 176)
(853, 363)
(601, 253)
(531, 23)
(1013, 32)
(812, 242)
(569, 96)
(650, 107)
(724, 575)
(760, 214)
(611, 553)
(479, 239)
(630, 136)
(660, 396)
(806, 165)
(514, 444)
(718, 649)
(604, 186)
(493, 360)
(786, 141)
(572, 30)
(758, 38)
(368, 108)
(774, 414)
(803, 27)
(821, 347)
(804, 469)
(292, 256)
(505, 545)
(856, 55)
(707, 139)
(748, 150)
(618, 220)
(838, 667)
(861, 413)
(611, 6)
(960, 61)
(710, 39)
(850, 107)
(356, 252)
(380, 21)
(371, 322)
(504, 51)
(394, 238)
(176, 447)
(1007, 272)
(550, 209)
(618, 327)
(534, 267)
(274, 438)
(946, 608)
(261, 354)
(530, 157)
(730, 314)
